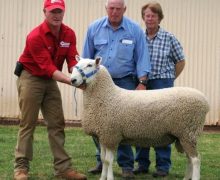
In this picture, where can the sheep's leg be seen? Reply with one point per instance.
(104, 163)
(193, 167)
(110, 158)
(188, 172)
(196, 168)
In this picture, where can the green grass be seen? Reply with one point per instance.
(82, 150)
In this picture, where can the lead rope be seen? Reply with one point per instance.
(75, 102)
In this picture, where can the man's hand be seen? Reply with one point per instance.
(141, 87)
(82, 86)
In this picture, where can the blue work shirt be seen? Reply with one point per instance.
(124, 50)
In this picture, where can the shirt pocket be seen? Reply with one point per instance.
(100, 44)
(163, 60)
(125, 49)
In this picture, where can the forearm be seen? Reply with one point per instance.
(59, 76)
(179, 67)
(142, 83)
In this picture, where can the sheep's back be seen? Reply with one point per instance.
(161, 114)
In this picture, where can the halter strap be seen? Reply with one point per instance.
(84, 76)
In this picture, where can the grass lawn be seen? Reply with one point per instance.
(82, 150)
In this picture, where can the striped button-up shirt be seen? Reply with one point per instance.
(165, 51)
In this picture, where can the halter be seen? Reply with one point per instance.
(86, 76)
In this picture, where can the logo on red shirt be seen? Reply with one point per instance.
(64, 44)
(54, 1)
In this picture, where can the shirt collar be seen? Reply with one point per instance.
(159, 33)
(46, 28)
(107, 24)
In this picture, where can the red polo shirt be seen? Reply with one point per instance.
(44, 54)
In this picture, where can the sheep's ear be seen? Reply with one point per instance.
(98, 60)
(78, 58)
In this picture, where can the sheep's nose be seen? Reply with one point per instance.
(73, 81)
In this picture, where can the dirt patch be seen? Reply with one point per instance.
(212, 129)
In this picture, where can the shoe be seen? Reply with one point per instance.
(140, 171)
(96, 170)
(127, 174)
(21, 174)
(160, 173)
(71, 175)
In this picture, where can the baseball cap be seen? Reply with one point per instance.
(54, 4)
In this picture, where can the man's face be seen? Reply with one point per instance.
(151, 19)
(54, 17)
(115, 10)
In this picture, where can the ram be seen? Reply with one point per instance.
(142, 118)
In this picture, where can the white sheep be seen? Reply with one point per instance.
(143, 118)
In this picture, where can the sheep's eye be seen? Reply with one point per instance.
(89, 65)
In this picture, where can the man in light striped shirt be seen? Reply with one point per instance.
(167, 62)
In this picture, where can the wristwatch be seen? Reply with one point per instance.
(144, 82)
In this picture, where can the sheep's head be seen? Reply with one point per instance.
(84, 71)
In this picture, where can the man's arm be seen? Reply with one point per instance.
(88, 47)
(179, 67)
(142, 83)
(142, 58)
(61, 77)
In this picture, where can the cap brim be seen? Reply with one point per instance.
(50, 8)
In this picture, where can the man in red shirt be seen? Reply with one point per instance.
(47, 47)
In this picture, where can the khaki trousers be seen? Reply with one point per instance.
(39, 94)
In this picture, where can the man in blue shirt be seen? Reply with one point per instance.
(122, 45)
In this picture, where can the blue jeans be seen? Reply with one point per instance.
(125, 157)
(163, 154)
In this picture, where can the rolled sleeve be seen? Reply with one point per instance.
(142, 56)
(177, 50)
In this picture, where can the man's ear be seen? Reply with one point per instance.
(77, 57)
(125, 8)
